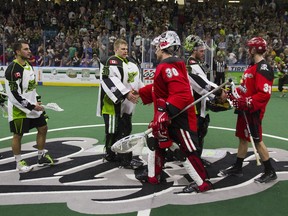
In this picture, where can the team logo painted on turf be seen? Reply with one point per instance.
(88, 185)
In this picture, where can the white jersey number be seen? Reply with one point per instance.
(267, 88)
(170, 72)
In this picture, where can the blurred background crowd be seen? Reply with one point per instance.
(79, 33)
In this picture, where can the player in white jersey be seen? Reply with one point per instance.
(201, 85)
(120, 80)
(24, 110)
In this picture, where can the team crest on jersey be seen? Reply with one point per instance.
(88, 185)
(264, 67)
(113, 62)
(131, 76)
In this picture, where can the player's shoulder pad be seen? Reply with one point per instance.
(131, 60)
(265, 70)
(191, 61)
(112, 61)
(14, 71)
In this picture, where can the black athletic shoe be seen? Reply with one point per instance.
(46, 159)
(193, 187)
(206, 163)
(133, 164)
(233, 170)
(111, 157)
(266, 177)
(141, 173)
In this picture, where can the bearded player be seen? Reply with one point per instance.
(255, 93)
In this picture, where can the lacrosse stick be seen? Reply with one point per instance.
(236, 95)
(53, 106)
(4, 109)
(3, 93)
(134, 141)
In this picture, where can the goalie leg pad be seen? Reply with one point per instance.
(155, 165)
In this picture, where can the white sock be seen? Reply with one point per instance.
(18, 158)
(40, 153)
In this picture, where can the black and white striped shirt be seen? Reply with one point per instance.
(220, 67)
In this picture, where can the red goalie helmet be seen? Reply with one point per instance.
(259, 43)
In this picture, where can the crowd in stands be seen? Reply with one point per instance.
(79, 33)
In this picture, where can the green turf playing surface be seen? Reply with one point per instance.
(79, 104)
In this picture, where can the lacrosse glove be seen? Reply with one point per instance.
(160, 125)
(243, 103)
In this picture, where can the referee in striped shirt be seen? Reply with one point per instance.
(219, 68)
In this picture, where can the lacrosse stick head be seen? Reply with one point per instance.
(4, 109)
(134, 142)
(53, 106)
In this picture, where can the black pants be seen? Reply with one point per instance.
(203, 124)
(123, 128)
(220, 78)
(281, 82)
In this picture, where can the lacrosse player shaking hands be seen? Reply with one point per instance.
(171, 93)
(24, 111)
(120, 81)
(250, 100)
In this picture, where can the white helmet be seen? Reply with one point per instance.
(169, 39)
(156, 41)
(192, 42)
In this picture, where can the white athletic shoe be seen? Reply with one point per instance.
(22, 166)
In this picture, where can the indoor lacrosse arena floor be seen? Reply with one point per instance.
(82, 184)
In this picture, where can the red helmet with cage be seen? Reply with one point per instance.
(258, 43)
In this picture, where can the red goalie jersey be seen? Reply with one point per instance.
(171, 83)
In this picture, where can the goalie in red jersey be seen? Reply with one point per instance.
(171, 93)
(254, 95)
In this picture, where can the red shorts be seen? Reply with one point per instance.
(255, 125)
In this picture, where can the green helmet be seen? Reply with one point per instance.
(192, 42)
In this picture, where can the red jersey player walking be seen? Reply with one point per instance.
(171, 93)
(255, 92)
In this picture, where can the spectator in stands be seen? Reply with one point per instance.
(95, 61)
(32, 60)
(57, 59)
(221, 20)
(4, 59)
(65, 61)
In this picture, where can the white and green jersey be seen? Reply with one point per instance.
(118, 77)
(20, 84)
